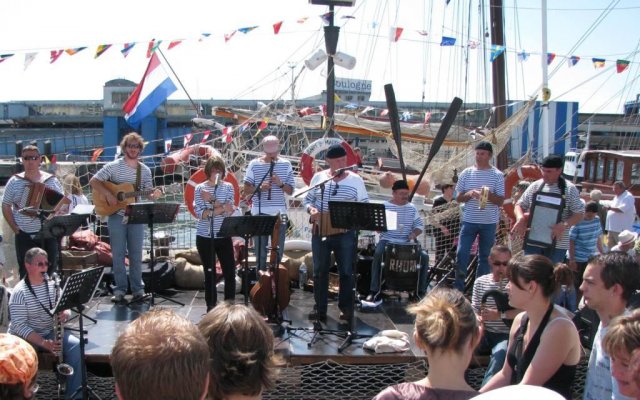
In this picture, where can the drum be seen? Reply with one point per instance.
(401, 266)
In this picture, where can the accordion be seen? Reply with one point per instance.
(39, 198)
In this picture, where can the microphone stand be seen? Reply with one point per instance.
(211, 270)
(258, 191)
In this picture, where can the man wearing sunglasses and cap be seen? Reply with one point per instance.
(25, 223)
(274, 174)
(344, 186)
(31, 305)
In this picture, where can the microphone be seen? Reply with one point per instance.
(270, 173)
(343, 170)
(216, 180)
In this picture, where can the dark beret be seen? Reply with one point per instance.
(400, 184)
(553, 161)
(335, 151)
(485, 146)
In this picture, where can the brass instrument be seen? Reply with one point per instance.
(61, 369)
(484, 196)
(501, 299)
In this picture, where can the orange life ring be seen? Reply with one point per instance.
(388, 178)
(524, 172)
(197, 178)
(307, 169)
(204, 151)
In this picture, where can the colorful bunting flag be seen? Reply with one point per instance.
(54, 159)
(55, 54)
(243, 127)
(174, 43)
(118, 152)
(348, 17)
(523, 56)
(263, 124)
(302, 20)
(366, 110)
(167, 145)
(447, 41)
(427, 117)
(276, 27)
(96, 154)
(187, 139)
(126, 49)
(228, 37)
(496, 51)
(205, 136)
(573, 60)
(598, 62)
(101, 49)
(227, 134)
(395, 33)
(423, 33)
(384, 113)
(473, 44)
(336, 98)
(203, 36)
(326, 17)
(4, 57)
(28, 59)
(247, 29)
(153, 46)
(621, 65)
(550, 57)
(74, 51)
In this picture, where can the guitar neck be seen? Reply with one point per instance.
(138, 193)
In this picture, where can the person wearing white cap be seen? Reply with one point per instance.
(621, 212)
(267, 180)
(626, 242)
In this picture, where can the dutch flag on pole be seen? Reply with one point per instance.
(153, 90)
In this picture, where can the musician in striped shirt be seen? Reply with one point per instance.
(213, 201)
(409, 226)
(275, 177)
(481, 189)
(345, 186)
(32, 301)
(126, 238)
(27, 225)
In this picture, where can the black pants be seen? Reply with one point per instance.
(26, 241)
(223, 248)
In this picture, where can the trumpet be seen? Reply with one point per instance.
(484, 196)
(61, 369)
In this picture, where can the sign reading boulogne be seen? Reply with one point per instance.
(353, 85)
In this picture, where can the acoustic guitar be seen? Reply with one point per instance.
(125, 194)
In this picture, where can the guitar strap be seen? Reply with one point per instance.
(138, 177)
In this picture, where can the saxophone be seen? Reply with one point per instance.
(61, 369)
(500, 297)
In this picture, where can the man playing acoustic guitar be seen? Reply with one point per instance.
(124, 236)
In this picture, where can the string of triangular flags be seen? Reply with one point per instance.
(395, 35)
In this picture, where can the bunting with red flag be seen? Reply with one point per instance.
(621, 65)
(573, 60)
(205, 136)
(174, 43)
(276, 27)
(550, 57)
(96, 154)
(228, 36)
(126, 49)
(55, 54)
(395, 33)
(187, 139)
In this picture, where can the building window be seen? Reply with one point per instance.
(360, 98)
(635, 174)
(611, 171)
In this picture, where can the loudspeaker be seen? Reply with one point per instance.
(164, 275)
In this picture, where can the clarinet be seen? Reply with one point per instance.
(61, 369)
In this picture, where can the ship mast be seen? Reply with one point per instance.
(498, 75)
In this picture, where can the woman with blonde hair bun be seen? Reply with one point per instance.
(447, 330)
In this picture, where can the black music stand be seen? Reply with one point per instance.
(152, 213)
(247, 226)
(78, 290)
(356, 216)
(58, 227)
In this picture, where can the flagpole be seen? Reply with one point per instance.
(195, 107)
(546, 93)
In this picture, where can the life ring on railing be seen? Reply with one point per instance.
(197, 178)
(183, 156)
(309, 154)
(524, 172)
(388, 178)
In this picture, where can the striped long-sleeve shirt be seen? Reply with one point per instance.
(27, 312)
(408, 219)
(258, 169)
(224, 195)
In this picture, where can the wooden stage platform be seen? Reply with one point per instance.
(292, 343)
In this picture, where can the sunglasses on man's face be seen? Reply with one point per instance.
(31, 158)
(499, 263)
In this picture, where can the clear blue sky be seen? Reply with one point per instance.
(257, 65)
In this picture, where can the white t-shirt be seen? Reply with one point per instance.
(616, 221)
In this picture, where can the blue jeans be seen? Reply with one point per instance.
(567, 298)
(555, 255)
(497, 342)
(376, 268)
(261, 250)
(72, 356)
(468, 233)
(343, 247)
(125, 237)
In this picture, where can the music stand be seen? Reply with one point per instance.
(78, 290)
(152, 213)
(247, 226)
(356, 216)
(58, 227)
